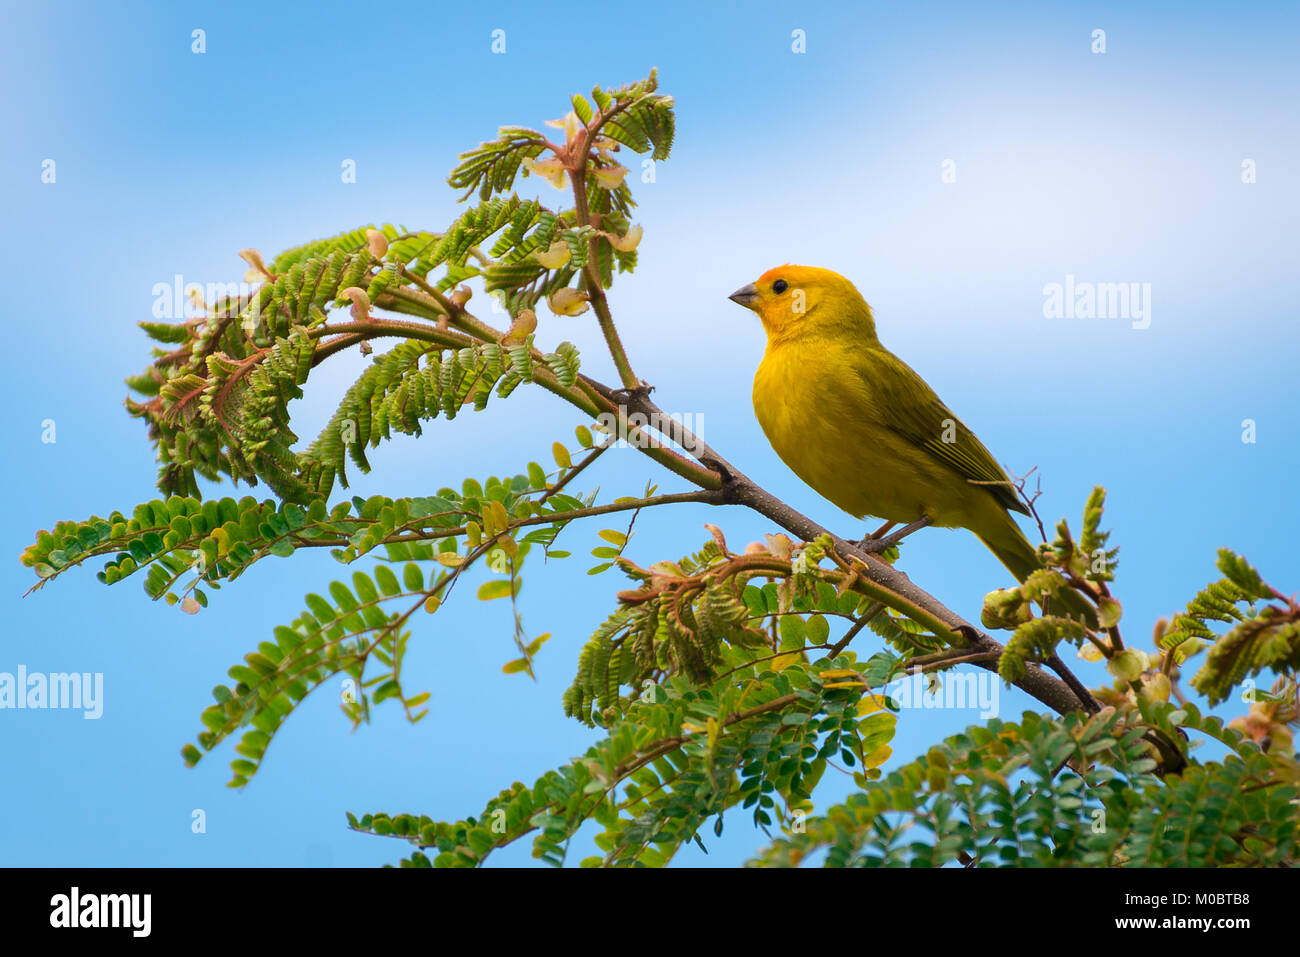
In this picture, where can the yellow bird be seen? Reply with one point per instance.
(858, 425)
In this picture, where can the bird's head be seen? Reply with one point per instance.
(795, 300)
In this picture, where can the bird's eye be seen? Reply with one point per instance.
(779, 286)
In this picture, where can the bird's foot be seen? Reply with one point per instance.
(867, 542)
(878, 541)
(640, 392)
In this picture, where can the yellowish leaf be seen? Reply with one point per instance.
(609, 177)
(497, 588)
(554, 256)
(628, 241)
(781, 662)
(878, 757)
(515, 666)
(568, 302)
(551, 170)
(870, 704)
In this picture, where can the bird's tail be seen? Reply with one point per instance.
(1008, 543)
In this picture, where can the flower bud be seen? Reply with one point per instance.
(780, 544)
(360, 302)
(555, 255)
(568, 302)
(1108, 611)
(1090, 652)
(628, 241)
(570, 123)
(550, 169)
(254, 259)
(1005, 608)
(1155, 687)
(1128, 664)
(609, 177)
(522, 327)
(377, 243)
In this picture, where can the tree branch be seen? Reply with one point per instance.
(714, 472)
(741, 490)
(705, 496)
(595, 291)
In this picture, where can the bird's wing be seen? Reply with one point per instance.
(915, 413)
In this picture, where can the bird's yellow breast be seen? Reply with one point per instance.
(862, 428)
(822, 417)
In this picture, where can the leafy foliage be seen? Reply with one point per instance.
(684, 616)
(1070, 589)
(1001, 796)
(1267, 637)
(757, 737)
(722, 681)
(397, 393)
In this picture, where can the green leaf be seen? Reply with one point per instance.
(364, 586)
(282, 548)
(818, 630)
(1242, 574)
(497, 588)
(387, 581)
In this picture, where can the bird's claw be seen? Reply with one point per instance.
(640, 392)
(874, 545)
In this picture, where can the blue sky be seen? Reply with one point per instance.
(1117, 167)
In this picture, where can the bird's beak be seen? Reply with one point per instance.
(745, 296)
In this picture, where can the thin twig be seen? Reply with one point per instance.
(874, 609)
(576, 470)
(1090, 704)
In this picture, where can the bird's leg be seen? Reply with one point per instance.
(876, 544)
(640, 392)
(876, 534)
